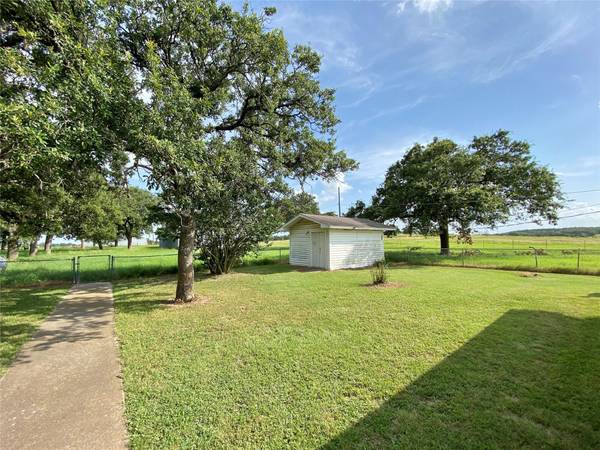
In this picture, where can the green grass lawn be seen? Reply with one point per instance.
(277, 358)
(21, 312)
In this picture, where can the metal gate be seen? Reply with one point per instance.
(89, 268)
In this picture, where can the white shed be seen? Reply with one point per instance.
(331, 242)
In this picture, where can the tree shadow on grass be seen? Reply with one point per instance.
(268, 269)
(530, 379)
(286, 268)
(21, 311)
(69, 322)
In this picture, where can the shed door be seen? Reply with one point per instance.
(318, 249)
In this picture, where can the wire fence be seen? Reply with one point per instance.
(565, 260)
(102, 267)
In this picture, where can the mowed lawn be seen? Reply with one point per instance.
(22, 310)
(277, 358)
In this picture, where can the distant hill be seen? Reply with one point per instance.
(570, 232)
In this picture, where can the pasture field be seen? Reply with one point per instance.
(504, 242)
(555, 254)
(271, 357)
(540, 254)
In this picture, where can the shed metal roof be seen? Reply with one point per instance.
(348, 223)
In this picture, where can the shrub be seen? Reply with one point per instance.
(379, 273)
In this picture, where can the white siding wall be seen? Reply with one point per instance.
(350, 248)
(300, 243)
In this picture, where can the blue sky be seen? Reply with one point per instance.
(407, 71)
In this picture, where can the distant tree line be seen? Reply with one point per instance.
(565, 232)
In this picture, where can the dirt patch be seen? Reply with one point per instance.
(198, 300)
(529, 274)
(388, 285)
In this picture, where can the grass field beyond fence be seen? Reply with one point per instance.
(556, 254)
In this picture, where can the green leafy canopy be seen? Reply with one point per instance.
(490, 181)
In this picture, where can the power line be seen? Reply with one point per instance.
(533, 222)
(581, 192)
(581, 207)
(471, 202)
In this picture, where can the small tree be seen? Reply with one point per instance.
(238, 211)
(297, 203)
(93, 215)
(379, 273)
(136, 206)
(443, 185)
(358, 209)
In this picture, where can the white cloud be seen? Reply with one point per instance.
(424, 6)
(388, 111)
(582, 216)
(576, 174)
(375, 162)
(329, 189)
(556, 38)
(327, 34)
(580, 167)
(458, 42)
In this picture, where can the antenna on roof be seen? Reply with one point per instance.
(339, 204)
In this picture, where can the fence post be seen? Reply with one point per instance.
(578, 255)
(279, 256)
(73, 270)
(534, 255)
(463, 257)
(77, 270)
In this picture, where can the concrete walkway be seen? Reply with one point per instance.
(64, 389)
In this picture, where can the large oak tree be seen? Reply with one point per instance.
(65, 95)
(210, 75)
(442, 185)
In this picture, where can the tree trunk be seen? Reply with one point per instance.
(100, 245)
(3, 242)
(33, 245)
(48, 244)
(444, 239)
(185, 260)
(129, 241)
(116, 242)
(81, 245)
(12, 243)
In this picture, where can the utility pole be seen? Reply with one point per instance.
(339, 204)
